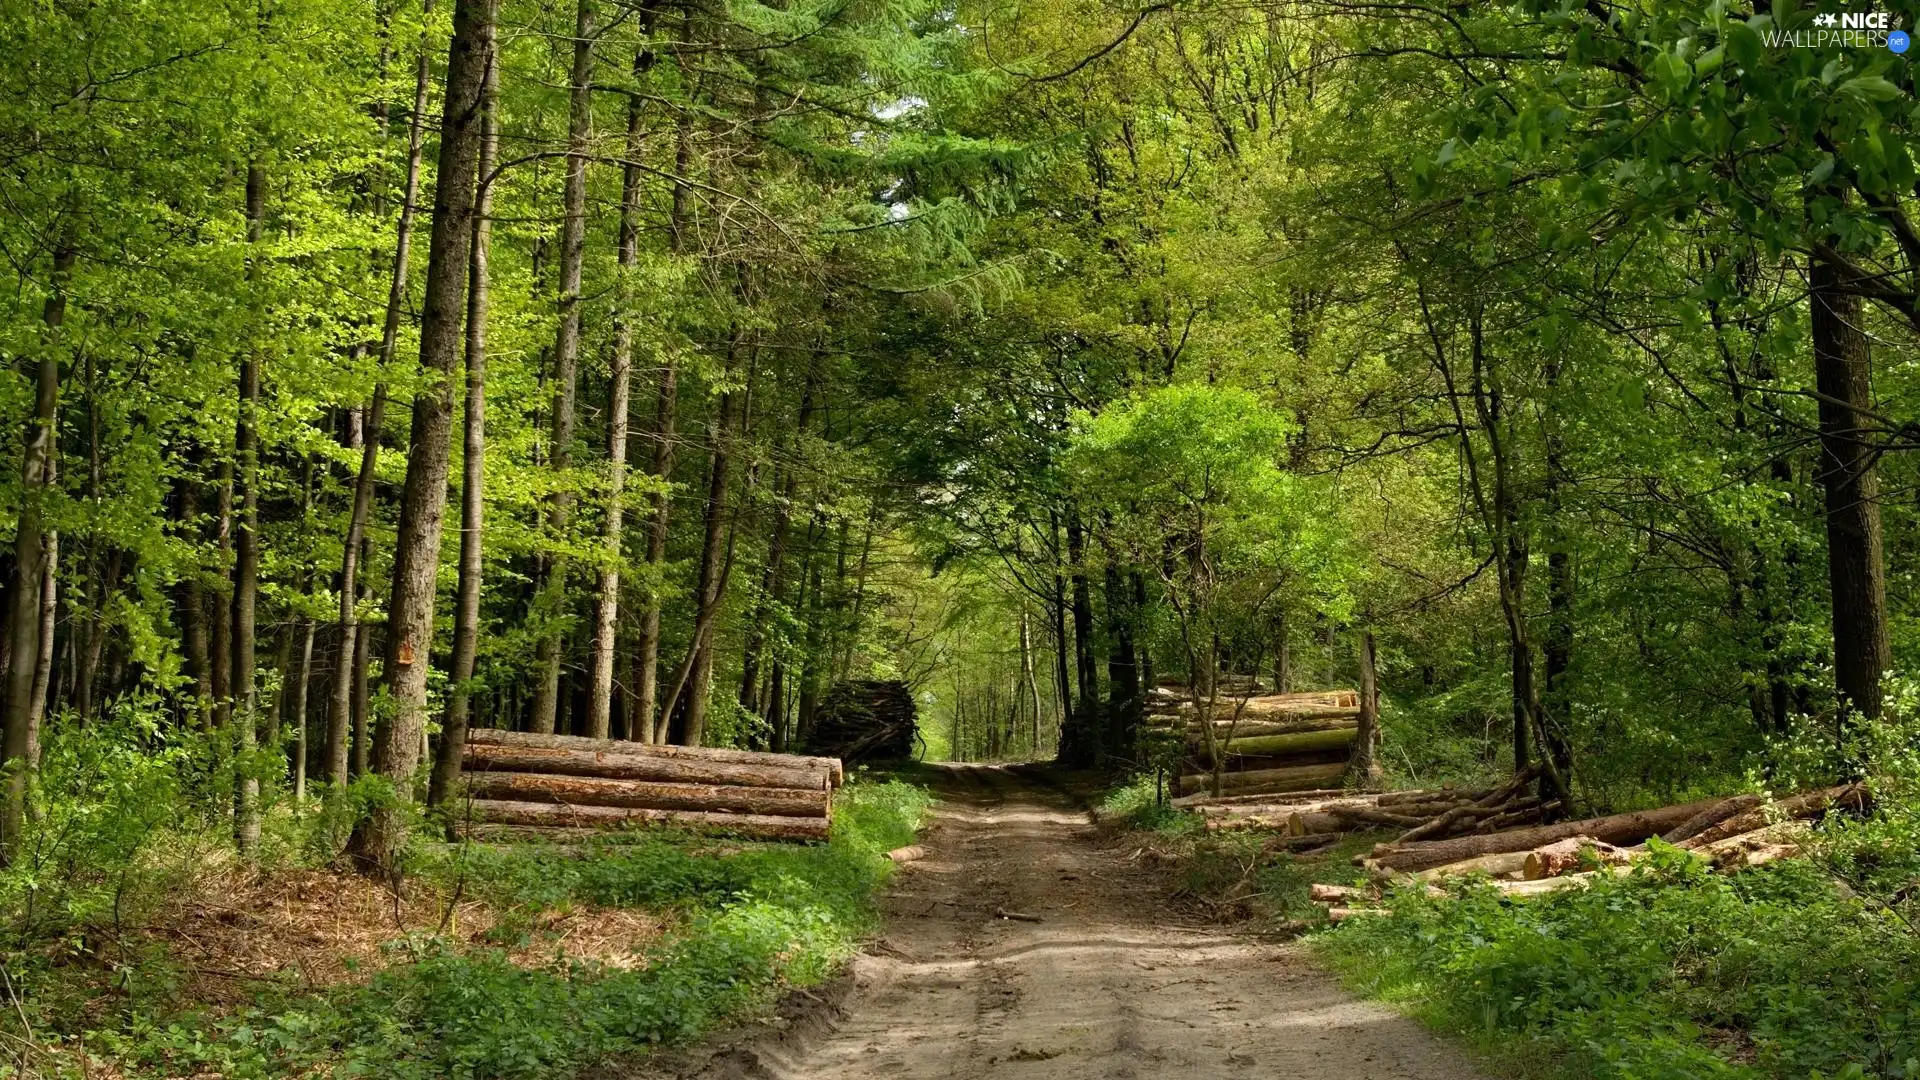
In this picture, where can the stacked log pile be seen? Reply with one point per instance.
(1425, 815)
(1728, 834)
(863, 719)
(1266, 743)
(525, 786)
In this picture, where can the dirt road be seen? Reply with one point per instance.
(1105, 986)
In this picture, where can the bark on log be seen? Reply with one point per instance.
(497, 737)
(601, 791)
(1620, 829)
(1334, 894)
(1206, 803)
(1341, 914)
(1809, 804)
(1249, 729)
(1713, 815)
(1356, 818)
(659, 768)
(1304, 742)
(1302, 822)
(1297, 778)
(495, 812)
(1300, 843)
(1497, 865)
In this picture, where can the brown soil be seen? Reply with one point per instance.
(1105, 984)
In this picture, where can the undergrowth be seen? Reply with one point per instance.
(1807, 969)
(747, 920)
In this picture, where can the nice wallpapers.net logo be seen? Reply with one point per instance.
(1845, 30)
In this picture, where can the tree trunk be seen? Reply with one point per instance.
(377, 837)
(473, 465)
(1123, 674)
(707, 587)
(361, 679)
(1363, 768)
(350, 651)
(1079, 743)
(648, 717)
(773, 581)
(43, 661)
(1856, 563)
(1282, 661)
(29, 553)
(300, 685)
(607, 609)
(191, 602)
(552, 600)
(246, 543)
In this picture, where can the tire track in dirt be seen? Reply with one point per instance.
(1105, 986)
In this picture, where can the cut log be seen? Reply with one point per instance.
(1287, 745)
(1342, 914)
(910, 853)
(1248, 729)
(1334, 894)
(1618, 829)
(1206, 803)
(496, 812)
(1302, 822)
(1562, 856)
(1496, 865)
(1297, 778)
(1711, 816)
(1356, 818)
(600, 791)
(1811, 804)
(491, 757)
(527, 739)
(1301, 843)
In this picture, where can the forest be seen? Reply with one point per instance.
(674, 372)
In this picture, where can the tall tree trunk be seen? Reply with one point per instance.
(1123, 676)
(351, 651)
(648, 718)
(39, 702)
(302, 680)
(1363, 767)
(221, 594)
(246, 542)
(708, 586)
(1079, 741)
(29, 554)
(607, 609)
(810, 659)
(1856, 563)
(772, 580)
(552, 599)
(473, 466)
(377, 837)
(362, 665)
(191, 603)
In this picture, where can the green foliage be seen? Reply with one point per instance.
(1141, 803)
(1666, 974)
(754, 919)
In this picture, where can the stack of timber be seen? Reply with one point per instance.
(1420, 815)
(867, 718)
(524, 786)
(1264, 743)
(1727, 834)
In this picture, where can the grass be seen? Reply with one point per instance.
(522, 963)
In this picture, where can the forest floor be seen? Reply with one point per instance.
(1027, 945)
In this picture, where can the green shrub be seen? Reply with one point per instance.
(757, 917)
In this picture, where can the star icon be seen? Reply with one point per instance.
(1825, 19)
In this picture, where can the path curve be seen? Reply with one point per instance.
(1105, 986)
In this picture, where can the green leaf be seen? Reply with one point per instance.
(1821, 171)
(1871, 88)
